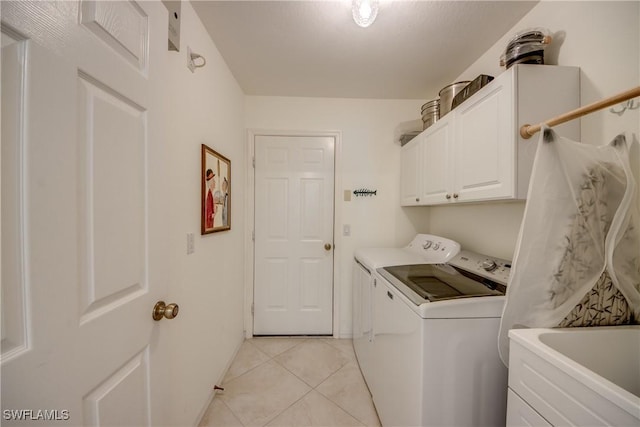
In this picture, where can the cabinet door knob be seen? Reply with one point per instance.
(455, 195)
(448, 196)
(417, 199)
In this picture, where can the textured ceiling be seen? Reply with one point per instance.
(313, 48)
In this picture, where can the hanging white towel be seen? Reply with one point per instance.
(577, 259)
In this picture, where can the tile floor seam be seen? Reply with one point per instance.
(364, 423)
(289, 407)
(225, 380)
(239, 418)
(304, 381)
(274, 358)
(341, 407)
(292, 373)
(231, 410)
(275, 355)
(256, 347)
(244, 373)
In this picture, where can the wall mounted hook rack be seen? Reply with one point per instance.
(362, 192)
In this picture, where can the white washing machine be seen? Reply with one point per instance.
(435, 359)
(423, 249)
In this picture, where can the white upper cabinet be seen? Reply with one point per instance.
(410, 160)
(475, 153)
(437, 178)
(484, 150)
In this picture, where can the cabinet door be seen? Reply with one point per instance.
(519, 413)
(362, 320)
(436, 159)
(484, 159)
(410, 172)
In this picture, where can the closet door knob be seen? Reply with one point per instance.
(455, 195)
(169, 311)
(448, 196)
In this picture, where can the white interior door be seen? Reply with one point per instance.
(83, 265)
(294, 194)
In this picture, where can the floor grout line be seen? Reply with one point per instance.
(231, 410)
(333, 401)
(288, 407)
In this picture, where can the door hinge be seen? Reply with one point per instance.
(253, 162)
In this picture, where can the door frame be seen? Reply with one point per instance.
(250, 221)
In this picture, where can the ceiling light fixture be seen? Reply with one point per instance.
(364, 12)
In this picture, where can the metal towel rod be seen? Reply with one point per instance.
(527, 131)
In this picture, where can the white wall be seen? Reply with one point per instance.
(370, 158)
(206, 107)
(603, 39)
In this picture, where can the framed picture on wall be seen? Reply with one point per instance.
(216, 192)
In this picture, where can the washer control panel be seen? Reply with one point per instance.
(493, 268)
(435, 249)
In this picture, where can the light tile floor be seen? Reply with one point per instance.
(293, 382)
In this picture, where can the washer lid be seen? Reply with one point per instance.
(436, 282)
(374, 258)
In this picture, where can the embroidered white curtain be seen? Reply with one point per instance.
(577, 260)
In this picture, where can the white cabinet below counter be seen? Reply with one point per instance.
(475, 153)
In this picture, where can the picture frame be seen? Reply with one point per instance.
(215, 192)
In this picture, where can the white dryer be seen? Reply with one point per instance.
(423, 249)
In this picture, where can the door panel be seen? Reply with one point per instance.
(436, 161)
(484, 154)
(120, 24)
(293, 288)
(277, 217)
(410, 171)
(112, 132)
(311, 193)
(276, 279)
(311, 278)
(14, 309)
(122, 399)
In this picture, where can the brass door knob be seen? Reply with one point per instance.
(327, 246)
(161, 310)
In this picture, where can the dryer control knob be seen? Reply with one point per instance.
(489, 265)
(427, 244)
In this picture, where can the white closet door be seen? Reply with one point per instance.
(88, 259)
(294, 193)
